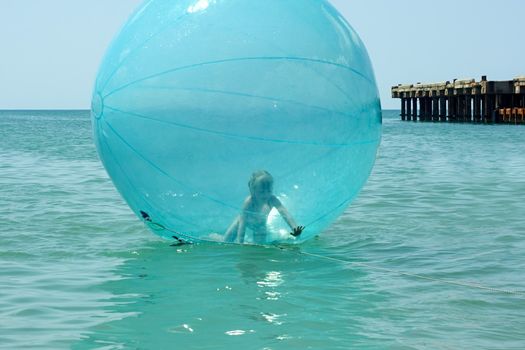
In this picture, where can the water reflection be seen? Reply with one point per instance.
(190, 294)
(213, 296)
(273, 318)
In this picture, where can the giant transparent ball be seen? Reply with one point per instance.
(193, 96)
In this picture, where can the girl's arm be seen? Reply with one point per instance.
(241, 228)
(275, 202)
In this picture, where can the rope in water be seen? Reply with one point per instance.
(418, 276)
(355, 263)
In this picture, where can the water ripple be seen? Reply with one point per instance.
(444, 201)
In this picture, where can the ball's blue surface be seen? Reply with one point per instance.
(194, 96)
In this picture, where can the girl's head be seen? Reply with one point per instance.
(261, 184)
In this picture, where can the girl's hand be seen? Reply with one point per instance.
(297, 231)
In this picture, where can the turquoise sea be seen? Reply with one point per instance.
(431, 255)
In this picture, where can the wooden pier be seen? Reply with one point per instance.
(464, 101)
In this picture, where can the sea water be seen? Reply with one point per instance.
(410, 265)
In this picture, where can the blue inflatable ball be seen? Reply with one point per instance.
(234, 120)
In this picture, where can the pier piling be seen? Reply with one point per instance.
(464, 100)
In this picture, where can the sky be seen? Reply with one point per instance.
(50, 50)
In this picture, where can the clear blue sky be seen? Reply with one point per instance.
(50, 50)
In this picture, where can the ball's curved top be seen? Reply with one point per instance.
(194, 96)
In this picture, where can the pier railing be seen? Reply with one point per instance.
(464, 101)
